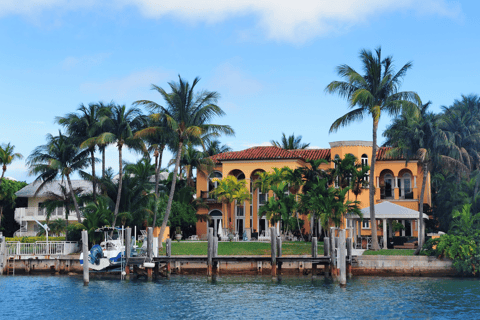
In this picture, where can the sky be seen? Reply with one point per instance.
(269, 60)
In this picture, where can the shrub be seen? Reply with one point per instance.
(34, 239)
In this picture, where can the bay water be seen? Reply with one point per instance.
(239, 297)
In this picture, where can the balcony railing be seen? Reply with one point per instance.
(208, 196)
(36, 213)
(41, 248)
(389, 193)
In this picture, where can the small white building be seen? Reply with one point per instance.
(26, 216)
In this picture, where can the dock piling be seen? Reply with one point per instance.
(314, 255)
(3, 254)
(342, 258)
(168, 247)
(149, 252)
(273, 239)
(209, 252)
(216, 265)
(349, 255)
(86, 275)
(128, 251)
(326, 252)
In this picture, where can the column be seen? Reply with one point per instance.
(385, 236)
(247, 213)
(378, 182)
(403, 230)
(411, 227)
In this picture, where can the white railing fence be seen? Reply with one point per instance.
(15, 248)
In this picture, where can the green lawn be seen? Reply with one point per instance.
(241, 248)
(390, 252)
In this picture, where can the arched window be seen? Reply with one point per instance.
(388, 185)
(364, 160)
(241, 176)
(364, 164)
(213, 184)
(407, 186)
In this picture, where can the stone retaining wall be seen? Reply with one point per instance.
(402, 265)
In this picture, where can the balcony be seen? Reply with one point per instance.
(36, 213)
(205, 195)
(396, 194)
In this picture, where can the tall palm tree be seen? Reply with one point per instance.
(122, 125)
(188, 115)
(60, 156)
(7, 156)
(375, 91)
(84, 126)
(290, 143)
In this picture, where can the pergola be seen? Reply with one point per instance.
(387, 212)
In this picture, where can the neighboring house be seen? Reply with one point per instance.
(395, 182)
(26, 216)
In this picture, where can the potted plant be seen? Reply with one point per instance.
(178, 234)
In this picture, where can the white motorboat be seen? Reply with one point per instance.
(109, 253)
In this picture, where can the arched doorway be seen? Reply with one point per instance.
(215, 220)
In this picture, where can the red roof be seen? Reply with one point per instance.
(272, 153)
(382, 155)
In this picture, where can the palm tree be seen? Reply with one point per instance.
(460, 124)
(60, 156)
(7, 155)
(192, 158)
(84, 126)
(414, 135)
(228, 190)
(370, 94)
(188, 115)
(62, 200)
(214, 147)
(290, 143)
(122, 125)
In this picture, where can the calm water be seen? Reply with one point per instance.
(246, 297)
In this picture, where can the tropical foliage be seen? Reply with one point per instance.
(371, 94)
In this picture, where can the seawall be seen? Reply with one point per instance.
(402, 266)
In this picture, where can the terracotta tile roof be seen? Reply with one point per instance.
(272, 153)
(382, 155)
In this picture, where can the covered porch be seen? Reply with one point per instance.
(387, 213)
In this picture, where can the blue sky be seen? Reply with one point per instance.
(269, 60)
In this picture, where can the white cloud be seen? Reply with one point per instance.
(83, 62)
(280, 20)
(121, 87)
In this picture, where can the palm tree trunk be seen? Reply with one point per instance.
(3, 173)
(373, 222)
(420, 212)
(66, 223)
(170, 196)
(94, 182)
(120, 180)
(103, 162)
(75, 203)
(156, 188)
